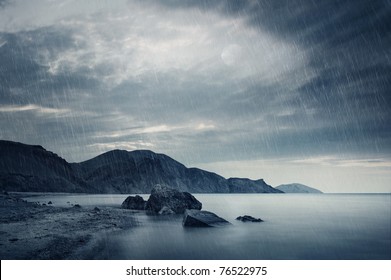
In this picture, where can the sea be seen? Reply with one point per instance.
(295, 227)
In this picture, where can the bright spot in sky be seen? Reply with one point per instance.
(231, 55)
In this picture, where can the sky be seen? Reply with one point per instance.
(291, 91)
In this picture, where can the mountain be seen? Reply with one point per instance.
(297, 188)
(244, 185)
(32, 168)
(138, 171)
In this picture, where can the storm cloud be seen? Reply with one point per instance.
(244, 88)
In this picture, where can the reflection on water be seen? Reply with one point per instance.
(296, 226)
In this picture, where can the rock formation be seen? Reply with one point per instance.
(134, 203)
(247, 218)
(163, 196)
(197, 218)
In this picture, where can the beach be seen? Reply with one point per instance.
(295, 227)
(33, 231)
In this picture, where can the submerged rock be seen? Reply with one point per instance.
(177, 201)
(247, 218)
(197, 218)
(134, 203)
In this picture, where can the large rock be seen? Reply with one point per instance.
(134, 203)
(247, 218)
(163, 196)
(197, 218)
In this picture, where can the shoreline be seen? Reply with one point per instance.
(32, 231)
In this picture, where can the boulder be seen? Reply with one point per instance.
(134, 203)
(197, 218)
(247, 218)
(177, 201)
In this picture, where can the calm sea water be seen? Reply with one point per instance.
(297, 226)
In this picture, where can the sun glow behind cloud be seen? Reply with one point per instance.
(120, 46)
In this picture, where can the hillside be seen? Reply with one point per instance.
(297, 188)
(138, 171)
(32, 168)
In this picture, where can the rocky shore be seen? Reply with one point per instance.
(43, 231)
(31, 231)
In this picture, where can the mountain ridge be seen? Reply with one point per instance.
(26, 167)
(297, 188)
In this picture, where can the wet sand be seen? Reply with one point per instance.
(32, 231)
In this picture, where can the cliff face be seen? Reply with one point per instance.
(32, 168)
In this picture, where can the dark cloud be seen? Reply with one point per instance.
(18, 66)
(307, 22)
(297, 79)
(25, 75)
(3, 3)
(38, 106)
(349, 45)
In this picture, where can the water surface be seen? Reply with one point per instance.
(297, 226)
